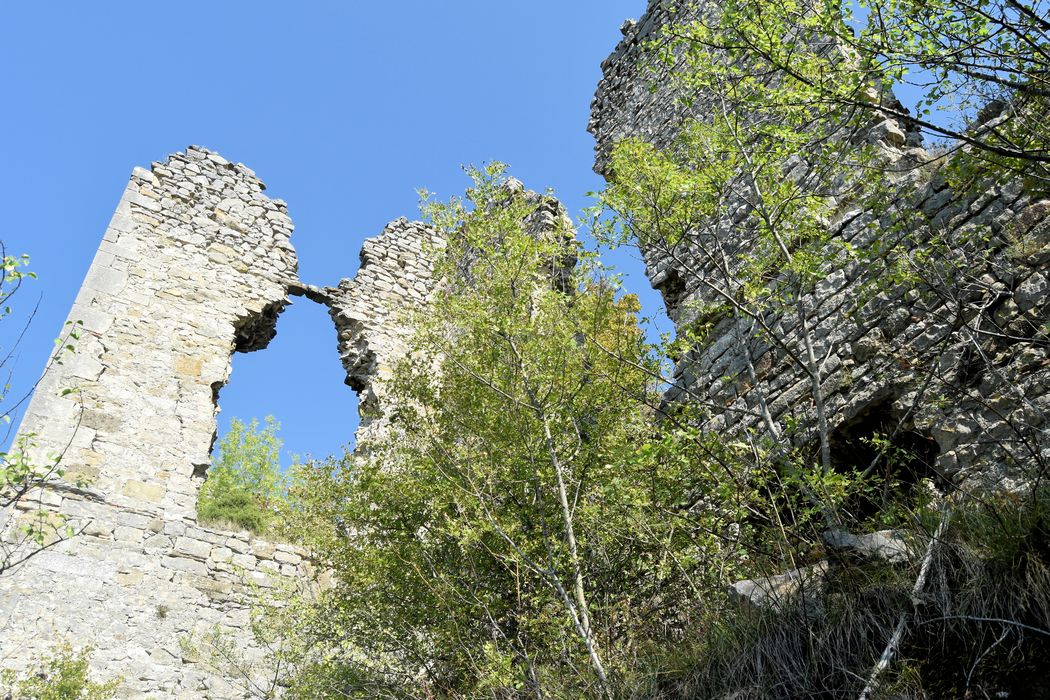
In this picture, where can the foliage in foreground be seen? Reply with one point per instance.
(244, 482)
(526, 529)
(63, 675)
(977, 71)
(979, 628)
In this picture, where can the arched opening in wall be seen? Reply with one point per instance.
(881, 443)
(285, 401)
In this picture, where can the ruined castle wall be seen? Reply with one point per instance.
(959, 362)
(371, 312)
(195, 264)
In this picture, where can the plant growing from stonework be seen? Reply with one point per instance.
(63, 675)
(25, 473)
(260, 672)
(245, 483)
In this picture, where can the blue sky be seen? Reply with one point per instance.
(344, 109)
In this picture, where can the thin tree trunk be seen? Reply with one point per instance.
(898, 633)
(579, 592)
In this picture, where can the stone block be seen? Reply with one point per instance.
(886, 545)
(188, 366)
(194, 548)
(782, 589)
(129, 578)
(191, 566)
(262, 549)
(154, 493)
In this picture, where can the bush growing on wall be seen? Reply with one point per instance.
(61, 676)
(245, 481)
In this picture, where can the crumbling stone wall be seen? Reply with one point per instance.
(958, 364)
(371, 311)
(196, 263)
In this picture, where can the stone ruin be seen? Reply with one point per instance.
(978, 415)
(197, 264)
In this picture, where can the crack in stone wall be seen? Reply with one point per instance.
(880, 349)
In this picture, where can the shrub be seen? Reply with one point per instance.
(62, 676)
(235, 506)
(245, 482)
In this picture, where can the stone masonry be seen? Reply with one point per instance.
(370, 311)
(195, 265)
(958, 368)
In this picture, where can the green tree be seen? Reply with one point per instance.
(245, 482)
(794, 127)
(740, 204)
(522, 531)
(978, 67)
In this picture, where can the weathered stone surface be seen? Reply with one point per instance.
(370, 311)
(782, 589)
(195, 264)
(885, 545)
(989, 362)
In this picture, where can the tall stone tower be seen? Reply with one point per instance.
(195, 264)
(955, 368)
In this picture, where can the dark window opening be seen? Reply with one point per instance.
(881, 443)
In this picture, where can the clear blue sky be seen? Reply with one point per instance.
(344, 109)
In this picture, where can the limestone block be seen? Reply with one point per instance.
(144, 491)
(781, 589)
(1032, 292)
(193, 548)
(886, 545)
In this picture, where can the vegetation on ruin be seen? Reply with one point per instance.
(976, 70)
(538, 519)
(63, 675)
(245, 483)
(535, 523)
